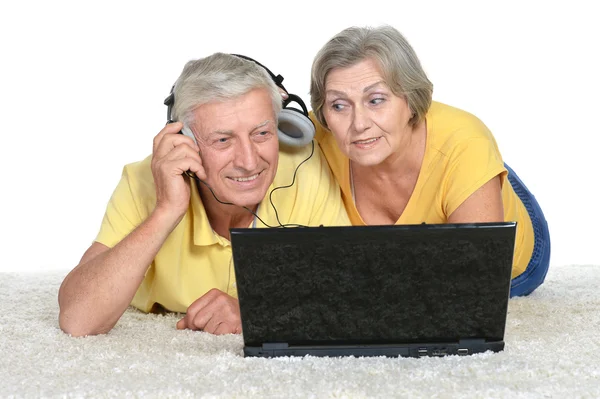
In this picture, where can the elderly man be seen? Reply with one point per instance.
(164, 240)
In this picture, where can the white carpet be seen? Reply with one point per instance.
(552, 350)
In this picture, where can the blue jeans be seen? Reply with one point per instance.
(536, 270)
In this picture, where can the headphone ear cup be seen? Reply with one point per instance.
(294, 128)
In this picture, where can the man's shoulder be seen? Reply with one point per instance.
(301, 158)
(305, 168)
(139, 170)
(139, 177)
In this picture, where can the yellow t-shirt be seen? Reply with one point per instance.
(194, 259)
(460, 156)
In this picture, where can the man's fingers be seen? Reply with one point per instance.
(203, 301)
(168, 146)
(200, 320)
(228, 328)
(221, 316)
(194, 322)
(215, 312)
(170, 128)
(198, 170)
(182, 151)
(173, 142)
(189, 321)
(208, 318)
(181, 159)
(169, 138)
(207, 321)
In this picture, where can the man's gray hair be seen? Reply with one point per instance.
(398, 61)
(219, 77)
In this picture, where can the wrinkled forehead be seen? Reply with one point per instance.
(240, 115)
(360, 76)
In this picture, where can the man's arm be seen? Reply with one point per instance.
(96, 293)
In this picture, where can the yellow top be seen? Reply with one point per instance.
(195, 259)
(460, 156)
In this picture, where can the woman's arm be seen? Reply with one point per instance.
(484, 205)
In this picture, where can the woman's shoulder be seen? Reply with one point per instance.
(335, 158)
(321, 132)
(447, 117)
(450, 125)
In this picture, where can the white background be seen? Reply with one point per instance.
(82, 89)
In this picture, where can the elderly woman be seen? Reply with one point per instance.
(402, 158)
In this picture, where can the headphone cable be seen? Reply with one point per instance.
(193, 175)
(312, 151)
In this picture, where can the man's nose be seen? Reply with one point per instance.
(246, 156)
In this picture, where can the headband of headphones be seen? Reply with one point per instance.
(294, 127)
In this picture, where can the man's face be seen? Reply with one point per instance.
(238, 146)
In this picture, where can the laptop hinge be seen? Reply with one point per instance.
(274, 346)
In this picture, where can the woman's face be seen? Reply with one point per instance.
(368, 121)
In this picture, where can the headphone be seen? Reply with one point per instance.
(294, 127)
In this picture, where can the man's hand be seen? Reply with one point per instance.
(215, 312)
(172, 155)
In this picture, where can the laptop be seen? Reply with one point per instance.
(399, 290)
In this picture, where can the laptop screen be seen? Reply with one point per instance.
(373, 284)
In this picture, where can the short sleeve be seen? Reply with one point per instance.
(472, 163)
(122, 215)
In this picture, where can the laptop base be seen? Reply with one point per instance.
(464, 347)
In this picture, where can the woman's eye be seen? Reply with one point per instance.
(377, 100)
(337, 107)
